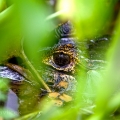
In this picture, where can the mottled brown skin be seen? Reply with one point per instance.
(61, 60)
(60, 65)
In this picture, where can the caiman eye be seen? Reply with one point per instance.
(61, 59)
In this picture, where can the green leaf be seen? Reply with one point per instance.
(7, 113)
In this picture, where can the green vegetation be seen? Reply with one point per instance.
(31, 20)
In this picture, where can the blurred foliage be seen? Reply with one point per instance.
(98, 97)
(5, 112)
(90, 18)
(3, 89)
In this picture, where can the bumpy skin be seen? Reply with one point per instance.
(61, 60)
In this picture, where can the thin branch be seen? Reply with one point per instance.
(35, 73)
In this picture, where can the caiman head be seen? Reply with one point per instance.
(60, 61)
